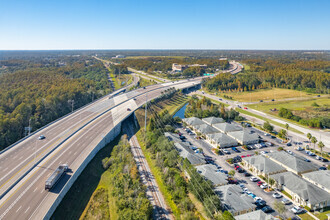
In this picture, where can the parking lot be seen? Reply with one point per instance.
(220, 160)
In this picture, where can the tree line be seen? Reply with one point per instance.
(309, 76)
(40, 94)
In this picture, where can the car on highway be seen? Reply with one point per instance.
(273, 100)
(245, 108)
(144, 87)
(297, 210)
(307, 160)
(41, 137)
(285, 201)
(288, 144)
(261, 100)
(254, 179)
(220, 99)
(128, 109)
(277, 195)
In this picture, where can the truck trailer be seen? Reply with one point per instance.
(52, 180)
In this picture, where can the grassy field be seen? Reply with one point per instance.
(323, 215)
(302, 108)
(75, 201)
(266, 95)
(306, 216)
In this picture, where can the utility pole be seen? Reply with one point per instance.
(71, 102)
(29, 126)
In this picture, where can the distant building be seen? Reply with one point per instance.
(223, 58)
(120, 56)
(179, 68)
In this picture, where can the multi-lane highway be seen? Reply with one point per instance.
(70, 140)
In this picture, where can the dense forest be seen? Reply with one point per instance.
(40, 91)
(309, 76)
(164, 64)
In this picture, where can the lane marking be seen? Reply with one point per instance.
(27, 209)
(18, 209)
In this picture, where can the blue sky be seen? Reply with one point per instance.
(164, 24)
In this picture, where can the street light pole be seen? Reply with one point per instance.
(29, 126)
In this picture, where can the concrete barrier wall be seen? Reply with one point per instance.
(104, 141)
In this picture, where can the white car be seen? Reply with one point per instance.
(277, 195)
(263, 152)
(289, 152)
(297, 210)
(41, 137)
(226, 151)
(264, 186)
(266, 134)
(254, 179)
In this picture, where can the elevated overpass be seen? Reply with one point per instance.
(74, 140)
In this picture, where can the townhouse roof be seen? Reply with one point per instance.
(209, 171)
(225, 127)
(244, 136)
(193, 121)
(264, 164)
(213, 120)
(222, 139)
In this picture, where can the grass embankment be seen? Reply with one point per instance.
(265, 119)
(214, 101)
(306, 216)
(75, 201)
(266, 95)
(172, 105)
(148, 76)
(120, 193)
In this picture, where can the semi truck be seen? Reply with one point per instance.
(52, 180)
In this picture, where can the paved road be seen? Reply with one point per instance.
(325, 136)
(28, 199)
(160, 209)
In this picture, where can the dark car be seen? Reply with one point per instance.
(128, 109)
(247, 174)
(261, 100)
(273, 137)
(325, 160)
(260, 203)
(273, 100)
(267, 209)
(288, 144)
(240, 170)
(41, 137)
(322, 168)
(144, 87)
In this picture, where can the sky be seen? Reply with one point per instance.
(164, 24)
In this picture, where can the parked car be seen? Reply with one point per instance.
(267, 209)
(297, 210)
(41, 137)
(299, 148)
(235, 149)
(277, 195)
(247, 174)
(263, 152)
(289, 152)
(286, 201)
(325, 160)
(226, 151)
(266, 134)
(260, 203)
(288, 144)
(307, 160)
(264, 186)
(259, 183)
(318, 157)
(322, 168)
(254, 179)
(258, 198)
(252, 195)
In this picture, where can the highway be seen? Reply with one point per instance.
(28, 199)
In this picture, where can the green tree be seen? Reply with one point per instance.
(309, 136)
(268, 127)
(321, 146)
(314, 140)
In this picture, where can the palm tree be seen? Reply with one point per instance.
(321, 146)
(287, 126)
(309, 136)
(314, 140)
